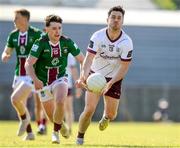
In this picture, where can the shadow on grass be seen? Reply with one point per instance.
(120, 146)
(96, 145)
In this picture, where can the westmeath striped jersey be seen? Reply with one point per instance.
(22, 43)
(52, 58)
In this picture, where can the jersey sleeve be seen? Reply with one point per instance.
(127, 50)
(10, 41)
(71, 60)
(41, 33)
(37, 32)
(93, 44)
(74, 49)
(36, 49)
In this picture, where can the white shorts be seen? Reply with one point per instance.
(45, 93)
(22, 79)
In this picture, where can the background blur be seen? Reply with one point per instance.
(151, 89)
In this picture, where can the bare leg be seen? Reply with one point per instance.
(19, 96)
(48, 107)
(37, 108)
(60, 97)
(110, 107)
(110, 112)
(69, 114)
(91, 101)
(18, 99)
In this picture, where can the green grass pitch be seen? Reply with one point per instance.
(118, 134)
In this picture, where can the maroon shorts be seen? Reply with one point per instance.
(115, 90)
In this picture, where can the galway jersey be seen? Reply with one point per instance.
(108, 53)
(22, 43)
(52, 59)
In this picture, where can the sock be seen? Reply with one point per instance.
(57, 127)
(29, 129)
(23, 117)
(80, 135)
(43, 121)
(106, 118)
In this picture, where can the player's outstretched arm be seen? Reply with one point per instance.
(6, 54)
(86, 67)
(30, 71)
(120, 75)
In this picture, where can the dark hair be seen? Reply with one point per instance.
(116, 8)
(52, 18)
(24, 13)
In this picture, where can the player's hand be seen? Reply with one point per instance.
(79, 83)
(5, 58)
(106, 88)
(38, 84)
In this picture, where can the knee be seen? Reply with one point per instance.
(89, 112)
(14, 99)
(60, 98)
(60, 101)
(111, 116)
